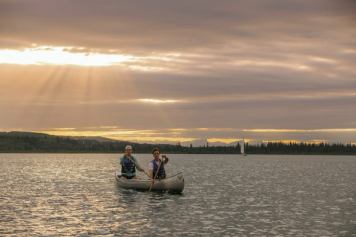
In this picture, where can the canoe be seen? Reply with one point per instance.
(172, 184)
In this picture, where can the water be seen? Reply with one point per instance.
(225, 195)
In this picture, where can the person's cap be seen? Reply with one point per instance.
(128, 147)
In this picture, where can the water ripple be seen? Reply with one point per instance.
(225, 195)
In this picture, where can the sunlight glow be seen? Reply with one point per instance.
(223, 140)
(228, 140)
(175, 135)
(145, 135)
(300, 130)
(59, 56)
(296, 141)
(78, 56)
(155, 139)
(158, 101)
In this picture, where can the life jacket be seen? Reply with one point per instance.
(128, 168)
(161, 173)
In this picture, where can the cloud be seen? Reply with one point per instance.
(209, 64)
(167, 25)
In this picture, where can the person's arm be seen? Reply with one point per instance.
(137, 165)
(150, 170)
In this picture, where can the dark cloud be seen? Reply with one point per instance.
(168, 25)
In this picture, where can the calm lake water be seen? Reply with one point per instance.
(225, 195)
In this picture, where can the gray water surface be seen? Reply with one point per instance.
(225, 195)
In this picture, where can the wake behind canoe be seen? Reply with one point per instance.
(172, 184)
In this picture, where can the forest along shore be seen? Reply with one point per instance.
(23, 142)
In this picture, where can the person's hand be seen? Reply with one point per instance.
(147, 174)
(165, 158)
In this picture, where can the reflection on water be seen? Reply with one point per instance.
(225, 195)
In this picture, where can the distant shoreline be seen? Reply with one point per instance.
(28, 142)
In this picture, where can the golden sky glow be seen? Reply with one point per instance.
(125, 135)
(300, 130)
(157, 101)
(59, 56)
(296, 141)
(228, 140)
(181, 135)
(170, 136)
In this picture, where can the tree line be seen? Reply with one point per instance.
(37, 142)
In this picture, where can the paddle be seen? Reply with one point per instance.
(159, 166)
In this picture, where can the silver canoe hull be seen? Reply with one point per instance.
(173, 184)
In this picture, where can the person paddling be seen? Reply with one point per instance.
(156, 166)
(129, 164)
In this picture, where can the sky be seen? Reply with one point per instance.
(180, 71)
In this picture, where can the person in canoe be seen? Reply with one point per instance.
(156, 166)
(129, 164)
